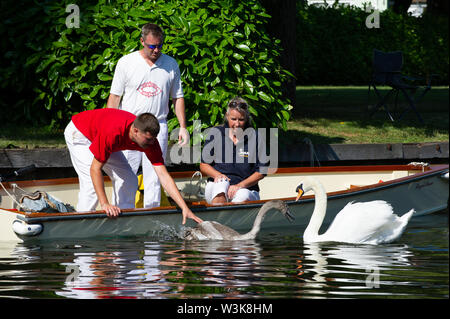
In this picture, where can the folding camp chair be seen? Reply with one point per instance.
(387, 72)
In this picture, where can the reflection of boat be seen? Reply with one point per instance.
(422, 187)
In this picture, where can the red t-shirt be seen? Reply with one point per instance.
(108, 130)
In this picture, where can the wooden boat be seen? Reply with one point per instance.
(422, 187)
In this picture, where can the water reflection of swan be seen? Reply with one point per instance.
(371, 256)
(225, 264)
(214, 248)
(242, 251)
(323, 260)
(214, 230)
(368, 222)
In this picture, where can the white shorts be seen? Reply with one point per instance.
(213, 189)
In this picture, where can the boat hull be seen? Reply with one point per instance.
(426, 192)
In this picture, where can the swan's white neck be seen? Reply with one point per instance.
(318, 215)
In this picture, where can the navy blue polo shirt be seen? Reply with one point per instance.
(238, 161)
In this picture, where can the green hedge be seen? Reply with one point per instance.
(50, 71)
(334, 46)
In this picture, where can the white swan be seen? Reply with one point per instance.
(364, 223)
(214, 230)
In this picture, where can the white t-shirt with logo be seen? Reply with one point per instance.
(146, 88)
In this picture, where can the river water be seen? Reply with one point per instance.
(275, 265)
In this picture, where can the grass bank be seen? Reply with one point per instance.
(339, 115)
(325, 115)
(12, 136)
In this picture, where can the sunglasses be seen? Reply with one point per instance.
(241, 105)
(154, 46)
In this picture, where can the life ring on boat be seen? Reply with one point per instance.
(24, 229)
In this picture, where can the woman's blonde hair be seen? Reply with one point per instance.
(239, 104)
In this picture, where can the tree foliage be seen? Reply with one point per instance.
(53, 71)
(335, 47)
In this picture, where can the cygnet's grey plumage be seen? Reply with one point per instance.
(211, 230)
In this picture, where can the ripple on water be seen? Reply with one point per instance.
(272, 266)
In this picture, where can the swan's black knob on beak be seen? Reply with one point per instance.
(299, 191)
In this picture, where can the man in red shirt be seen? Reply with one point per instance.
(94, 139)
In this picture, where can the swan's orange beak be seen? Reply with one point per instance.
(299, 194)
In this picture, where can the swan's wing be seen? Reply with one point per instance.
(208, 230)
(356, 214)
(224, 231)
(367, 222)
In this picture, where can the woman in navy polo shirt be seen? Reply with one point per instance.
(230, 158)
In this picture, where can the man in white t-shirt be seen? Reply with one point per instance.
(144, 81)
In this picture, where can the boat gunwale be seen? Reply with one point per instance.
(202, 206)
(281, 170)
